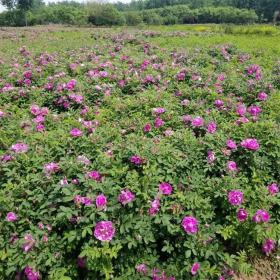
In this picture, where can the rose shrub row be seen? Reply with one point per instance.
(128, 162)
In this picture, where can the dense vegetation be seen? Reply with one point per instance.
(32, 12)
(264, 8)
(134, 154)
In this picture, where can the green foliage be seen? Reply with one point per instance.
(133, 18)
(106, 15)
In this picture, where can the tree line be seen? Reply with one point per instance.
(156, 12)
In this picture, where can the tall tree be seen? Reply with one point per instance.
(9, 4)
(25, 5)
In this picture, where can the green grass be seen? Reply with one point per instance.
(220, 28)
(261, 41)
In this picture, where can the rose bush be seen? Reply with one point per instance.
(124, 161)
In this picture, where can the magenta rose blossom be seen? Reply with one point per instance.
(158, 122)
(75, 132)
(211, 127)
(86, 200)
(254, 110)
(104, 231)
(187, 118)
(261, 216)
(101, 201)
(241, 109)
(218, 103)
(29, 242)
(235, 197)
(6, 158)
(136, 160)
(262, 96)
(273, 189)
(231, 166)
(50, 168)
(19, 148)
(250, 144)
(158, 110)
(94, 175)
(165, 188)
(155, 207)
(195, 268)
(231, 144)
(71, 84)
(147, 127)
(197, 122)
(40, 127)
(242, 214)
(11, 217)
(31, 274)
(125, 197)
(210, 157)
(190, 224)
(78, 199)
(141, 268)
(83, 159)
(268, 246)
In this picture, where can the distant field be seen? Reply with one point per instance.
(260, 40)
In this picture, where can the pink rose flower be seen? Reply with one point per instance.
(147, 127)
(235, 197)
(197, 122)
(211, 127)
(75, 132)
(50, 168)
(101, 201)
(11, 217)
(28, 242)
(155, 207)
(141, 268)
(136, 160)
(231, 166)
(190, 224)
(268, 246)
(254, 110)
(104, 231)
(195, 268)
(210, 157)
(242, 214)
(261, 216)
(165, 188)
(231, 144)
(273, 189)
(218, 103)
(158, 122)
(19, 148)
(262, 96)
(250, 144)
(31, 274)
(125, 197)
(94, 175)
(241, 109)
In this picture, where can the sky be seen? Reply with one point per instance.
(50, 1)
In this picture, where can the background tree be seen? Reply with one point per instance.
(9, 4)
